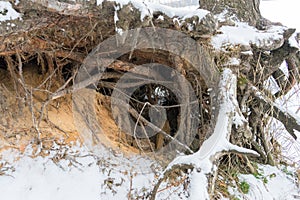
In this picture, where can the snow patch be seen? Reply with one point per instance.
(40, 178)
(293, 42)
(7, 12)
(233, 61)
(243, 34)
(74, 173)
(148, 8)
(176, 3)
(271, 184)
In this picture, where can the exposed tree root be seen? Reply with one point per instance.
(205, 160)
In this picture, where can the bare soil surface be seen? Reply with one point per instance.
(18, 122)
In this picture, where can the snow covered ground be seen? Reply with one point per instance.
(269, 184)
(75, 173)
(40, 178)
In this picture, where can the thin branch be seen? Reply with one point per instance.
(290, 121)
(135, 126)
(167, 173)
(280, 78)
(157, 129)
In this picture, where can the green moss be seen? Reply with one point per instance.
(272, 175)
(265, 180)
(244, 186)
(242, 81)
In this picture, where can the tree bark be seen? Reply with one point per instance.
(244, 10)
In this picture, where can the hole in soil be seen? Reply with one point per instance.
(158, 97)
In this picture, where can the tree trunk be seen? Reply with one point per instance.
(244, 10)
